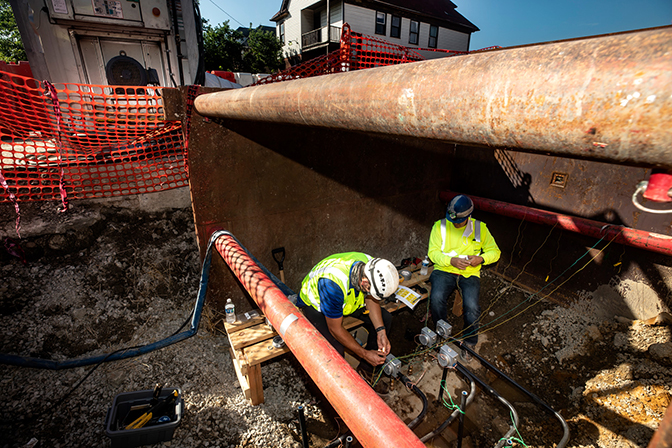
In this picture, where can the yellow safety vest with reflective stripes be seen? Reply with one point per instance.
(446, 242)
(336, 268)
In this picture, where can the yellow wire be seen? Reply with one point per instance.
(560, 285)
(498, 296)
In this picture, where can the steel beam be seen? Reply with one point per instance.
(601, 98)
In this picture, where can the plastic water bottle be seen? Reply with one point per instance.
(230, 310)
(425, 265)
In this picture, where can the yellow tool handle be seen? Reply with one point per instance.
(140, 421)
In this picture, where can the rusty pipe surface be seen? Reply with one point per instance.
(602, 98)
(653, 242)
(363, 411)
(662, 438)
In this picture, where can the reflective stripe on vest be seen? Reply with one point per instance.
(452, 253)
(334, 270)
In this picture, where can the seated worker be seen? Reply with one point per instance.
(349, 284)
(458, 246)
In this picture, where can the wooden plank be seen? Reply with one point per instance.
(252, 335)
(237, 326)
(242, 379)
(416, 277)
(241, 361)
(256, 385)
(262, 351)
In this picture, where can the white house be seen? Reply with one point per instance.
(434, 24)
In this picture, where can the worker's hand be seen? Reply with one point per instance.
(460, 263)
(384, 346)
(374, 357)
(475, 260)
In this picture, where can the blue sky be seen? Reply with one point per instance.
(503, 23)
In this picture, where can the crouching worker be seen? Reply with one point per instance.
(349, 284)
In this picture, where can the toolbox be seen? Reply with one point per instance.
(128, 406)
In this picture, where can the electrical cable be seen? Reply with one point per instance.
(220, 8)
(456, 412)
(640, 189)
(195, 318)
(534, 398)
(60, 401)
(549, 294)
(407, 382)
(518, 439)
(497, 297)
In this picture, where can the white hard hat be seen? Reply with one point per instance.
(383, 277)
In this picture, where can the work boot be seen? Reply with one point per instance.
(465, 356)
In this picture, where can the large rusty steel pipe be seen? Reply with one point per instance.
(603, 98)
(363, 411)
(653, 242)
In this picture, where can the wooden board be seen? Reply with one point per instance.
(262, 351)
(251, 335)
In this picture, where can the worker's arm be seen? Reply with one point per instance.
(342, 335)
(490, 250)
(434, 250)
(375, 314)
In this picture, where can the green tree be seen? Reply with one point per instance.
(11, 47)
(223, 47)
(263, 53)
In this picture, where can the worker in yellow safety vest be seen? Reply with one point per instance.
(350, 284)
(458, 246)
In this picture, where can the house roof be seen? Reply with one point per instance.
(442, 10)
(439, 10)
(284, 10)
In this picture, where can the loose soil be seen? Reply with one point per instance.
(97, 279)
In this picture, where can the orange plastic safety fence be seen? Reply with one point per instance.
(357, 51)
(78, 141)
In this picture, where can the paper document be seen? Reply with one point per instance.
(406, 295)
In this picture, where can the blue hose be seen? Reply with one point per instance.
(40, 363)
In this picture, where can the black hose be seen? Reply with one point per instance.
(512, 410)
(420, 395)
(460, 430)
(537, 400)
(302, 425)
(467, 376)
(130, 352)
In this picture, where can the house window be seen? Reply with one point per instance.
(282, 32)
(433, 36)
(395, 27)
(415, 32)
(381, 22)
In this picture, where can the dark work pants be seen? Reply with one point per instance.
(443, 285)
(320, 322)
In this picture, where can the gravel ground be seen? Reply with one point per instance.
(109, 279)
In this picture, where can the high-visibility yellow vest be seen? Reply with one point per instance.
(336, 268)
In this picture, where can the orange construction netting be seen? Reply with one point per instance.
(78, 141)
